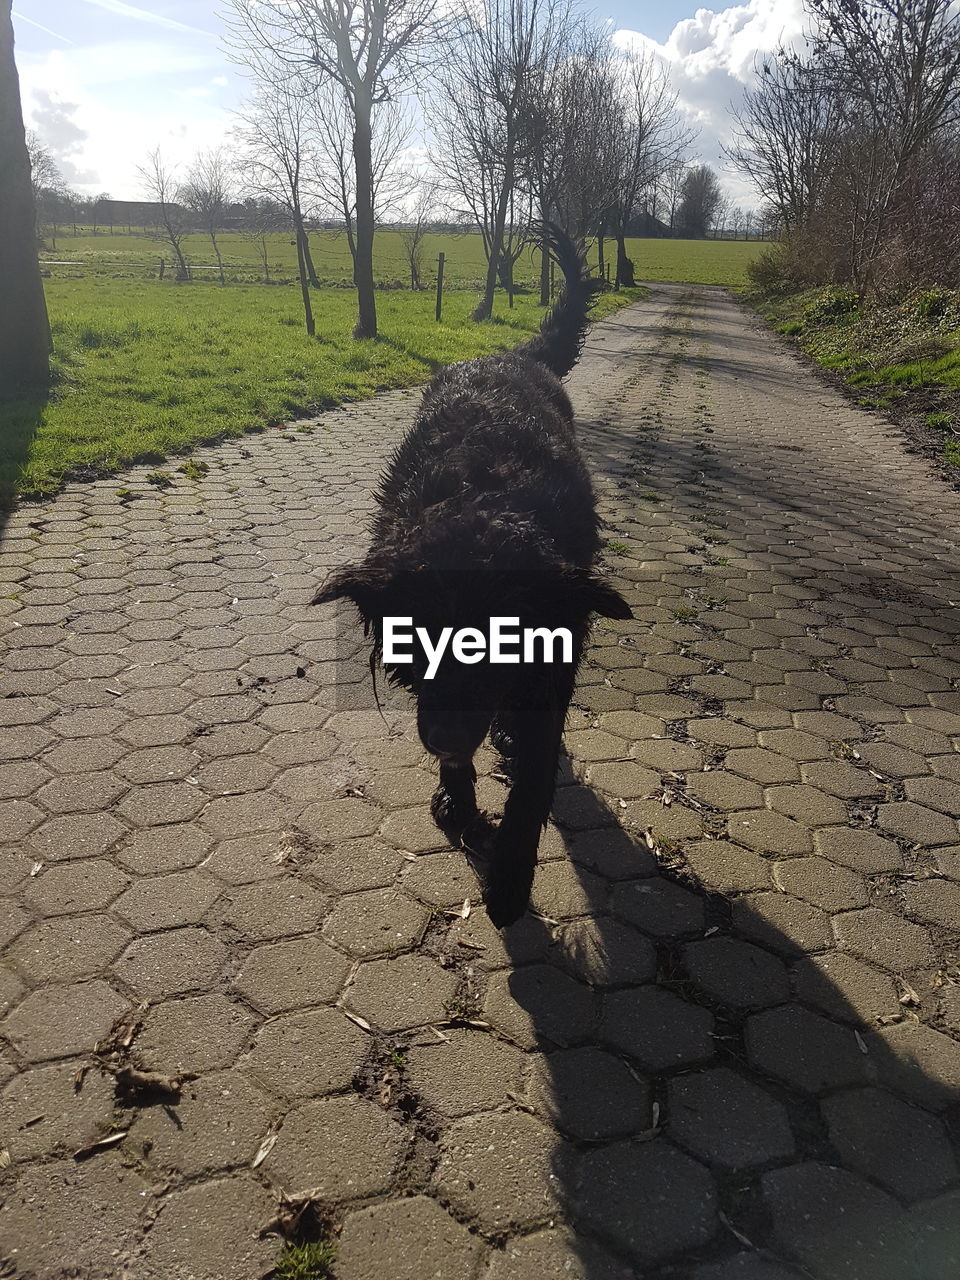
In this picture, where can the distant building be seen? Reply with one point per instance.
(129, 213)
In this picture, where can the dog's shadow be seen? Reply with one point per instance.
(723, 1110)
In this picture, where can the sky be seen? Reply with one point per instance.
(103, 82)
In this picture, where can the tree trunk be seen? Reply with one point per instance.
(625, 278)
(484, 308)
(216, 251)
(601, 264)
(305, 290)
(366, 326)
(544, 278)
(24, 328)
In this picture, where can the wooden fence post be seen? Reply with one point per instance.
(162, 268)
(440, 261)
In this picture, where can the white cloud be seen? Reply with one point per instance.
(710, 58)
(114, 103)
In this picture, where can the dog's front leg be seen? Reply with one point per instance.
(537, 738)
(454, 803)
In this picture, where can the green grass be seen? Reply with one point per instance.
(146, 369)
(311, 1261)
(721, 262)
(887, 348)
(951, 451)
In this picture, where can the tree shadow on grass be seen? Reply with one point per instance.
(20, 420)
(733, 1103)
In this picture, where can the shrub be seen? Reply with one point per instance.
(932, 304)
(832, 302)
(770, 272)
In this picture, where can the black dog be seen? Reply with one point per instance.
(487, 510)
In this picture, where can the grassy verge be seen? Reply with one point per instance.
(144, 370)
(902, 357)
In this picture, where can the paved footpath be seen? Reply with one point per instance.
(725, 1047)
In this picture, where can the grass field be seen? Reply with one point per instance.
(145, 369)
(695, 261)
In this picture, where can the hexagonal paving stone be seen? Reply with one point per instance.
(769, 832)
(55, 1021)
(918, 1061)
(276, 909)
(409, 991)
(336, 820)
(589, 1094)
(84, 835)
(288, 975)
(311, 1052)
(845, 988)
(659, 907)
(761, 765)
(67, 947)
(441, 879)
(735, 973)
(604, 953)
(218, 1123)
(557, 1251)
(210, 1232)
(375, 921)
(722, 790)
(161, 902)
(501, 1169)
(419, 1237)
(821, 883)
(806, 804)
(94, 1205)
(861, 850)
(657, 1028)
(678, 1193)
(537, 1003)
(725, 1120)
(804, 1050)
(883, 938)
(920, 826)
(197, 1033)
(728, 867)
(75, 886)
(42, 1111)
(903, 1148)
(161, 849)
(468, 1071)
(172, 962)
(338, 1148)
(782, 923)
(835, 1224)
(247, 814)
(80, 793)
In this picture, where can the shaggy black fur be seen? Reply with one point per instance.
(487, 509)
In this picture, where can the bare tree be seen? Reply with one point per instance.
(894, 67)
(787, 134)
(504, 54)
(700, 201)
(24, 328)
(415, 228)
(332, 174)
(162, 187)
(206, 194)
(263, 217)
(372, 49)
(651, 142)
(274, 133)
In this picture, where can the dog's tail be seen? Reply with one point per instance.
(561, 335)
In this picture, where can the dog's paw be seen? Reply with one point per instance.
(452, 817)
(507, 898)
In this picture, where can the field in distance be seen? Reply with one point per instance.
(720, 262)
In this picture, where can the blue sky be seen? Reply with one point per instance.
(105, 81)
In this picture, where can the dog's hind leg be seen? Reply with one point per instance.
(454, 803)
(538, 735)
